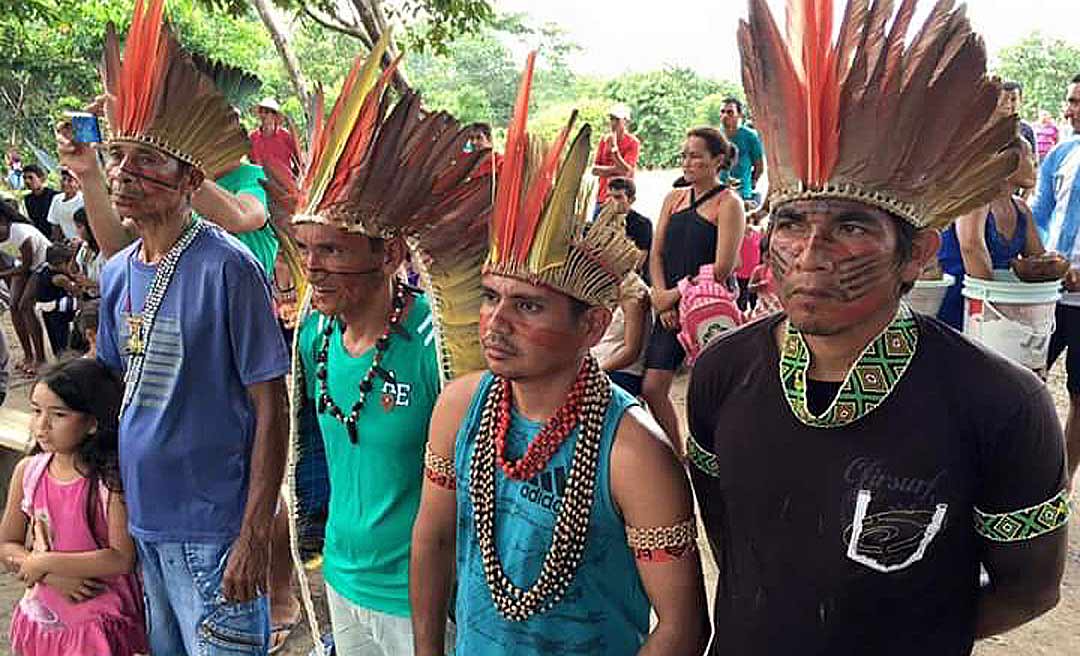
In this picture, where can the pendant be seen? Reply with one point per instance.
(135, 345)
(354, 433)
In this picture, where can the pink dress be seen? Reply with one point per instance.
(44, 622)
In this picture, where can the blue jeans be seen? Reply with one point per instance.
(185, 610)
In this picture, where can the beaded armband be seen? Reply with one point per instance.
(1024, 524)
(439, 469)
(665, 543)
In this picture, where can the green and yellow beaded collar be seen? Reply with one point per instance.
(868, 383)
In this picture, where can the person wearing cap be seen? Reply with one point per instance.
(271, 143)
(617, 154)
(860, 466)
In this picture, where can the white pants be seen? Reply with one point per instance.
(359, 631)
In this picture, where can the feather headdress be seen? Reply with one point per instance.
(909, 129)
(381, 171)
(538, 230)
(159, 98)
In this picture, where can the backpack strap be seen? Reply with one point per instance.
(32, 474)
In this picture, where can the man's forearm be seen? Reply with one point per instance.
(666, 638)
(431, 573)
(227, 210)
(999, 611)
(110, 233)
(268, 455)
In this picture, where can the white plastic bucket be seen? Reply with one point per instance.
(1013, 318)
(926, 296)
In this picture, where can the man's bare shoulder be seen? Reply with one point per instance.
(640, 443)
(458, 393)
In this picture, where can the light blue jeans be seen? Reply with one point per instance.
(186, 612)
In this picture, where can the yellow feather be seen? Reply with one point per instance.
(551, 246)
(350, 111)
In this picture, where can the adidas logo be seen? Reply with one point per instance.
(546, 489)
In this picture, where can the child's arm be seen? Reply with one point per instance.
(13, 525)
(117, 558)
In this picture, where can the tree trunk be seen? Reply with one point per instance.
(281, 42)
(374, 22)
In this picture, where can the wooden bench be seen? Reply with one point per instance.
(16, 442)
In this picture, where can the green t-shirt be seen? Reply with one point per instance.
(262, 243)
(750, 150)
(375, 483)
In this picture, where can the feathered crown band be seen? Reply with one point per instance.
(908, 129)
(160, 98)
(539, 233)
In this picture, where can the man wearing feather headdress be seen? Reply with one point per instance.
(186, 315)
(566, 510)
(382, 182)
(857, 464)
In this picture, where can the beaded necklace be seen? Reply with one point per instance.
(869, 381)
(326, 404)
(572, 521)
(141, 325)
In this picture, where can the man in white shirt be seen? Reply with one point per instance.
(1057, 213)
(63, 208)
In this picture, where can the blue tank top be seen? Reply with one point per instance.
(605, 610)
(1001, 252)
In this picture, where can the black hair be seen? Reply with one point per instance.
(1076, 79)
(58, 254)
(578, 308)
(479, 126)
(10, 214)
(716, 143)
(732, 100)
(87, 386)
(625, 184)
(86, 317)
(80, 218)
(1011, 85)
(35, 169)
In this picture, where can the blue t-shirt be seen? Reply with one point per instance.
(749, 144)
(186, 437)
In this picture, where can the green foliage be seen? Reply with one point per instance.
(663, 107)
(1044, 67)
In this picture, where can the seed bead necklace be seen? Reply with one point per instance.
(571, 523)
(326, 404)
(141, 325)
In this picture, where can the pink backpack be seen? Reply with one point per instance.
(32, 474)
(707, 309)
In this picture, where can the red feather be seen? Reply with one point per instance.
(512, 175)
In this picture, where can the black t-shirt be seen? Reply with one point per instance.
(639, 230)
(37, 208)
(962, 427)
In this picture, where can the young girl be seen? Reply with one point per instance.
(81, 597)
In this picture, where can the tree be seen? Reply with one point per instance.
(1044, 67)
(663, 106)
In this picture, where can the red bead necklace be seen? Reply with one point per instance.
(550, 437)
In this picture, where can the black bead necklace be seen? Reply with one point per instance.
(326, 403)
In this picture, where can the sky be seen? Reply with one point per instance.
(617, 36)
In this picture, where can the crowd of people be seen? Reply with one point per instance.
(434, 374)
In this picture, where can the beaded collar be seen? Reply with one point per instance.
(869, 382)
(141, 325)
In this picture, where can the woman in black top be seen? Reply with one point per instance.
(699, 224)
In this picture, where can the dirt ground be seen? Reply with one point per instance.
(1055, 634)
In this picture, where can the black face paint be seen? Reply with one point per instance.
(171, 186)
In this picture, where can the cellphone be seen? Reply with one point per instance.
(85, 128)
